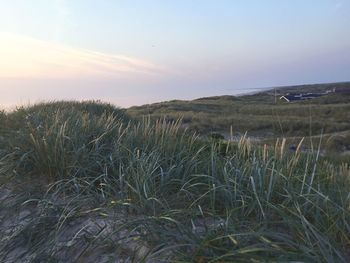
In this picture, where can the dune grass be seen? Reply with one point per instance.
(83, 183)
(259, 113)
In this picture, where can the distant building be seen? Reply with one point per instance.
(290, 97)
(342, 90)
(302, 96)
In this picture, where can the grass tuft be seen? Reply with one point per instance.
(81, 182)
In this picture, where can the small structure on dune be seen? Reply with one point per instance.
(342, 90)
(290, 97)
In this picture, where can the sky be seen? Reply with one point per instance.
(130, 52)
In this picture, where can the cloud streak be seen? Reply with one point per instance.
(338, 6)
(25, 57)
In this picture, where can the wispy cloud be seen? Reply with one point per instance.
(25, 57)
(338, 5)
(62, 8)
(62, 18)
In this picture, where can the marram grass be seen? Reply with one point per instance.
(83, 183)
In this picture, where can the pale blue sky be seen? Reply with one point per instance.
(189, 48)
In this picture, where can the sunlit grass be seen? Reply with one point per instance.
(82, 181)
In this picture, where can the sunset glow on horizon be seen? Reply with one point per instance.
(138, 52)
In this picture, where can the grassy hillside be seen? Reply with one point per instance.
(81, 183)
(258, 114)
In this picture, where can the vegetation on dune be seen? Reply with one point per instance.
(258, 114)
(82, 183)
